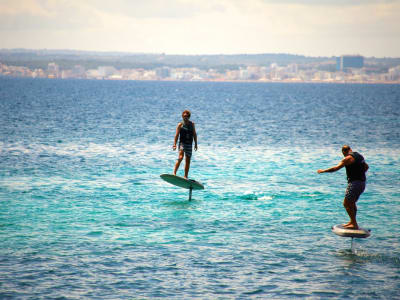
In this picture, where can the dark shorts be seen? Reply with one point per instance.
(187, 149)
(354, 190)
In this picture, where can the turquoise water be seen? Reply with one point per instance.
(84, 214)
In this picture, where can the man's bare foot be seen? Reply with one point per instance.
(351, 226)
(347, 224)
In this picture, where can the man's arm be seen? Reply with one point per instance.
(195, 138)
(345, 162)
(178, 130)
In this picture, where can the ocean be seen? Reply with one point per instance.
(85, 215)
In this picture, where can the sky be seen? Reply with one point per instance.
(304, 27)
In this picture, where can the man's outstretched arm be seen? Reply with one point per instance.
(333, 169)
(345, 161)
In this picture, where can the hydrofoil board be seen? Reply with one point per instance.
(353, 233)
(182, 182)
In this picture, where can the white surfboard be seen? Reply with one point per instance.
(182, 182)
(353, 233)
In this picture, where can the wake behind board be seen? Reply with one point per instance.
(182, 182)
(353, 233)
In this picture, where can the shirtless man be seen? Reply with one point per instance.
(356, 167)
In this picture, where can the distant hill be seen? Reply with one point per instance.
(89, 59)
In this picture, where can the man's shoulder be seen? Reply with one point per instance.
(349, 159)
(358, 156)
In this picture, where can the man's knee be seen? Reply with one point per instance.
(348, 203)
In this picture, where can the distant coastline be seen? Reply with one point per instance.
(287, 68)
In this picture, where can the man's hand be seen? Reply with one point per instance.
(174, 147)
(320, 171)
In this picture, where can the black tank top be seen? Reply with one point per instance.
(356, 171)
(186, 133)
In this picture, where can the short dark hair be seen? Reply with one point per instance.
(186, 112)
(346, 148)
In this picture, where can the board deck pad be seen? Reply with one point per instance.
(355, 233)
(182, 182)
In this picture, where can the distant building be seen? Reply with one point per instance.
(106, 71)
(78, 71)
(394, 73)
(292, 68)
(163, 72)
(244, 74)
(53, 71)
(349, 61)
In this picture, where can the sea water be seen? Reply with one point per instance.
(85, 215)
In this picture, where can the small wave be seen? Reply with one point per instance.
(95, 233)
(249, 197)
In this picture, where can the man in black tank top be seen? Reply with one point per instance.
(355, 170)
(186, 132)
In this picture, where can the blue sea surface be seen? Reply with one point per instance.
(85, 215)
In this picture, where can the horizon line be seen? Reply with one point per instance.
(164, 53)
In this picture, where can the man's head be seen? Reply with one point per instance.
(186, 114)
(346, 150)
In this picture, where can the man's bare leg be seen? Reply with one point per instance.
(351, 209)
(178, 162)
(187, 166)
